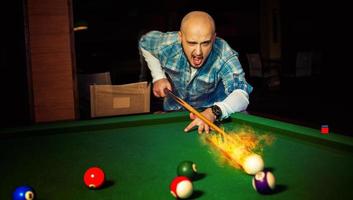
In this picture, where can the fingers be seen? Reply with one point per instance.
(200, 129)
(192, 116)
(162, 92)
(190, 126)
(201, 126)
(156, 93)
(159, 87)
(166, 86)
(207, 129)
(169, 86)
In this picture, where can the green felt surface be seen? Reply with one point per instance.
(140, 155)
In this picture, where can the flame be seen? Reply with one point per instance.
(234, 147)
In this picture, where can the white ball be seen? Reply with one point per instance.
(184, 189)
(253, 164)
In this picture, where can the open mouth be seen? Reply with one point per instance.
(197, 60)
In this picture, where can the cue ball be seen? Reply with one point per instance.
(24, 192)
(94, 177)
(181, 187)
(264, 182)
(187, 168)
(253, 164)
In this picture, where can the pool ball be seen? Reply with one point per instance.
(24, 192)
(94, 177)
(264, 182)
(181, 187)
(253, 163)
(187, 168)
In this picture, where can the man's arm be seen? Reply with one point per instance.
(160, 81)
(154, 65)
(236, 101)
(235, 83)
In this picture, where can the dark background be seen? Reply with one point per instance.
(110, 44)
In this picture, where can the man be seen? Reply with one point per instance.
(197, 66)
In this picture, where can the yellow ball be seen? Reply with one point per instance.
(253, 164)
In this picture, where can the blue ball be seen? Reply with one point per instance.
(264, 182)
(23, 193)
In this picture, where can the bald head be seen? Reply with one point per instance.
(197, 20)
(197, 35)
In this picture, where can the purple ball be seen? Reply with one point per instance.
(264, 182)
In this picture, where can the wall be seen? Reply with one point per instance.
(51, 61)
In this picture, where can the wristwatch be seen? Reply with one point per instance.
(216, 110)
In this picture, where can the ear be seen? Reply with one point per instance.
(180, 34)
(214, 37)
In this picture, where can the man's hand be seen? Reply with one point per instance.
(159, 86)
(202, 126)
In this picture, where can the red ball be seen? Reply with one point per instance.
(181, 187)
(94, 177)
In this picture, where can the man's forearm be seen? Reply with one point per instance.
(237, 101)
(154, 65)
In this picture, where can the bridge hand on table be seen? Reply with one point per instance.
(202, 126)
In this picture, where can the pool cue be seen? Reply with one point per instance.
(208, 122)
(195, 112)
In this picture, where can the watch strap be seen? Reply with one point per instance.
(216, 110)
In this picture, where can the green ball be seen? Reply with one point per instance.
(187, 168)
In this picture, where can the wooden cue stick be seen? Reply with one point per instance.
(208, 122)
(194, 111)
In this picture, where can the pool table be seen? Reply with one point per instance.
(140, 154)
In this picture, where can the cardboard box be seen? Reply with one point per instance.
(84, 82)
(110, 100)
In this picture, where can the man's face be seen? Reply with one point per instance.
(197, 44)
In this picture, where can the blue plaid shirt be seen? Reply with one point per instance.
(220, 75)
